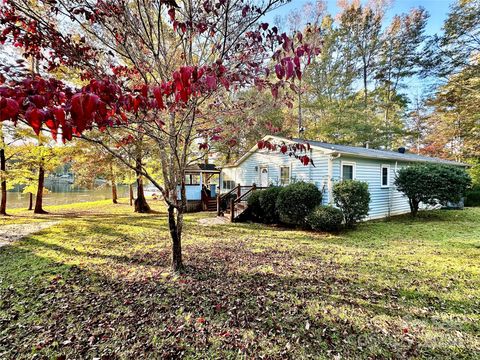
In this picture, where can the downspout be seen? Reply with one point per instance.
(310, 167)
(330, 176)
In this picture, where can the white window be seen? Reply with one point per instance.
(228, 184)
(284, 175)
(385, 175)
(347, 171)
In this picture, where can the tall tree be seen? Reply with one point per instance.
(454, 58)
(399, 60)
(363, 24)
(171, 64)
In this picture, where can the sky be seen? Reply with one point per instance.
(437, 9)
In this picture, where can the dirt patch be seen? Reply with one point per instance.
(10, 233)
(218, 220)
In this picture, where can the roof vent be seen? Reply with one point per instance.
(401, 150)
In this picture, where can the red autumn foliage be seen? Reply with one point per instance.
(104, 102)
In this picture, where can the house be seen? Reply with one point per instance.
(331, 163)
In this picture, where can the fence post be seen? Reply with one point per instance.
(218, 204)
(232, 210)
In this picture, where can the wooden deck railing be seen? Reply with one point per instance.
(220, 197)
(237, 199)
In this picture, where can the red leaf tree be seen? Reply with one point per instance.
(151, 68)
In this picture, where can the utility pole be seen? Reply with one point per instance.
(301, 129)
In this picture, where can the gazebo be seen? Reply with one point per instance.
(201, 186)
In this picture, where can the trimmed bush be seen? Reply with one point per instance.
(296, 201)
(325, 218)
(254, 205)
(353, 198)
(432, 184)
(268, 204)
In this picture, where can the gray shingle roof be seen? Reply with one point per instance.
(378, 154)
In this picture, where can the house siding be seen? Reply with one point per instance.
(384, 201)
(245, 173)
(326, 171)
(248, 172)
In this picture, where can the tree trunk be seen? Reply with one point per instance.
(30, 202)
(141, 205)
(39, 198)
(3, 167)
(388, 142)
(114, 185)
(131, 194)
(365, 90)
(413, 207)
(176, 235)
(114, 192)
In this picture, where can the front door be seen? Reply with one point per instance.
(263, 176)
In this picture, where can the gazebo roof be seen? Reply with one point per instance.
(202, 168)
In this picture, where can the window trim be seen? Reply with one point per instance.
(353, 164)
(289, 174)
(385, 166)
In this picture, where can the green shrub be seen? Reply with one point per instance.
(268, 204)
(353, 198)
(296, 201)
(325, 218)
(432, 184)
(254, 205)
(472, 197)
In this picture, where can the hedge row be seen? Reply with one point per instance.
(472, 197)
(299, 204)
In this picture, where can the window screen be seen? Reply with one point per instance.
(284, 175)
(347, 171)
(384, 176)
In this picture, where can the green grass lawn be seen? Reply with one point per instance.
(98, 284)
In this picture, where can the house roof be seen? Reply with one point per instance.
(378, 154)
(356, 152)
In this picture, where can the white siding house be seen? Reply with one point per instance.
(331, 163)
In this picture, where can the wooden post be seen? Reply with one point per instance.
(232, 210)
(254, 187)
(218, 204)
(239, 191)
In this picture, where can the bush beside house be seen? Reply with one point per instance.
(432, 184)
(472, 198)
(254, 205)
(325, 218)
(352, 198)
(268, 204)
(262, 205)
(296, 201)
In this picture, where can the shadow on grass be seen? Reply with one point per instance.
(231, 302)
